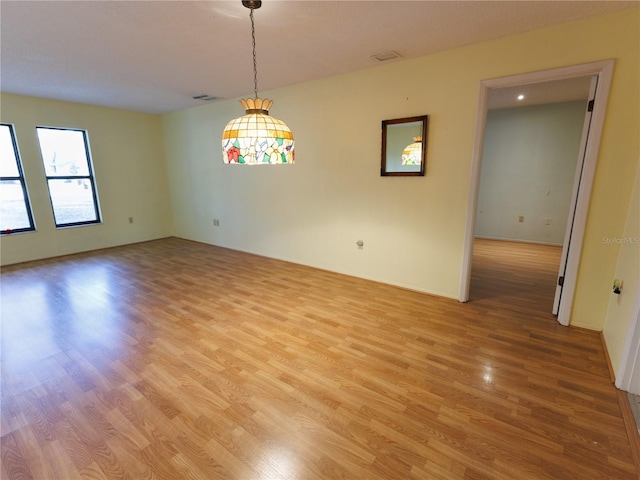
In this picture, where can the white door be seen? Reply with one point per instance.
(574, 195)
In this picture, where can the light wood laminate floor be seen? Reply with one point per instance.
(178, 360)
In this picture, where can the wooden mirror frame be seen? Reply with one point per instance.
(393, 142)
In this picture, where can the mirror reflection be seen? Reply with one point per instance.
(404, 146)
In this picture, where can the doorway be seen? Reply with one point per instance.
(531, 147)
(586, 169)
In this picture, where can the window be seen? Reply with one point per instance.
(67, 166)
(15, 211)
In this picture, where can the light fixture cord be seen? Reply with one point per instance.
(255, 63)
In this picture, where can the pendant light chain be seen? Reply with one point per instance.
(255, 63)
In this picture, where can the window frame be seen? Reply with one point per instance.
(90, 177)
(23, 183)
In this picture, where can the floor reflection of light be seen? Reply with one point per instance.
(26, 334)
(46, 311)
(282, 460)
(488, 374)
(94, 319)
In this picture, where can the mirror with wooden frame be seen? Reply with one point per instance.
(404, 146)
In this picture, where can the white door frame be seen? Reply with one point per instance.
(604, 70)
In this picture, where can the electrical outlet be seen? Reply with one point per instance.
(130, 219)
(216, 222)
(520, 218)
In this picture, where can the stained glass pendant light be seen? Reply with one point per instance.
(256, 138)
(412, 153)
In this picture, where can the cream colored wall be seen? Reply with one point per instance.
(528, 166)
(314, 211)
(620, 307)
(129, 167)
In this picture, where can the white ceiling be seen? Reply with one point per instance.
(153, 56)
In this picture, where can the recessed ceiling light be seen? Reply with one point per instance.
(520, 97)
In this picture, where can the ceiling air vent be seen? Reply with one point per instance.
(384, 56)
(205, 98)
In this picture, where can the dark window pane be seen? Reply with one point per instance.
(13, 206)
(72, 201)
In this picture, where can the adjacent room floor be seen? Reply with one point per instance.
(178, 360)
(515, 275)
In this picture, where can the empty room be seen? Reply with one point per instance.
(320, 240)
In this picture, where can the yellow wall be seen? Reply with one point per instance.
(314, 212)
(130, 172)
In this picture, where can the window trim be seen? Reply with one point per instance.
(23, 183)
(90, 177)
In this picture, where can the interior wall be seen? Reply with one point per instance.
(130, 173)
(313, 212)
(528, 165)
(620, 308)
